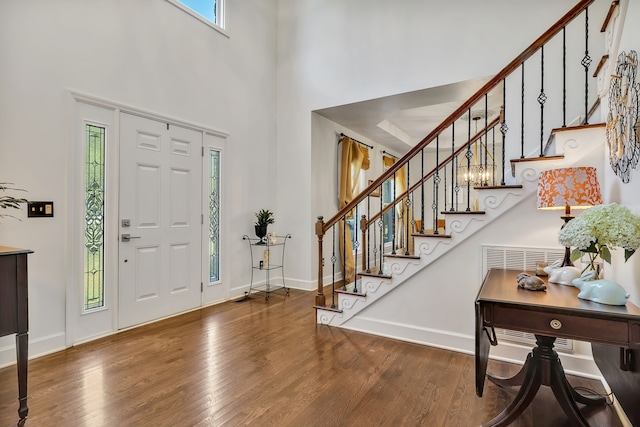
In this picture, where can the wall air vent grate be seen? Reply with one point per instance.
(521, 258)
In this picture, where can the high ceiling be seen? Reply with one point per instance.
(400, 121)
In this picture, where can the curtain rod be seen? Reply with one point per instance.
(389, 154)
(362, 143)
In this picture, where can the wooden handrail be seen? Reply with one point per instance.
(477, 96)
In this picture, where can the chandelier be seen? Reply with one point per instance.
(471, 170)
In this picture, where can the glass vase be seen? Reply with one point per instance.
(593, 264)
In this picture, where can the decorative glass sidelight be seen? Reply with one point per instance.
(94, 217)
(214, 216)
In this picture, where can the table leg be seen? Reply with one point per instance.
(482, 346)
(530, 385)
(517, 379)
(22, 346)
(567, 396)
(542, 367)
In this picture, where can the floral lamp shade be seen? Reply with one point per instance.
(567, 188)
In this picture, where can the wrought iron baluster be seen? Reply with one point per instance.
(393, 217)
(456, 187)
(381, 226)
(407, 216)
(436, 184)
(344, 253)
(485, 177)
(375, 243)
(444, 188)
(522, 116)
(422, 188)
(453, 167)
(469, 155)
(542, 98)
(334, 259)
(586, 62)
(356, 245)
(564, 77)
(503, 129)
(493, 151)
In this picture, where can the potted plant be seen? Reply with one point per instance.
(265, 217)
(9, 202)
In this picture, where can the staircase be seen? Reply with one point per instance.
(573, 147)
(383, 269)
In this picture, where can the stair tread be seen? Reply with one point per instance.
(533, 159)
(494, 187)
(383, 276)
(342, 291)
(431, 235)
(337, 310)
(401, 256)
(463, 212)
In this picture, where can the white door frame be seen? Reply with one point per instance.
(87, 108)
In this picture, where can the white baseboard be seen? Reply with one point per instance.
(38, 347)
(574, 364)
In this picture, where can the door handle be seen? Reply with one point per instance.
(127, 237)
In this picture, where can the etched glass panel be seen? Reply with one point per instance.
(94, 218)
(214, 216)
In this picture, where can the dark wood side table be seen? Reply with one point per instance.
(14, 312)
(557, 312)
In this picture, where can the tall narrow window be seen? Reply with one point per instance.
(94, 217)
(214, 216)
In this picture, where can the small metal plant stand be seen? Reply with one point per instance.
(264, 257)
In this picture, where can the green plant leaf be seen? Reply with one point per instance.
(605, 254)
(628, 253)
(575, 254)
(591, 249)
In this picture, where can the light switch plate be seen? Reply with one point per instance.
(40, 209)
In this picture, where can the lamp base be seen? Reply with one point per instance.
(566, 262)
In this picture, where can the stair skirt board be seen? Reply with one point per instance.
(522, 258)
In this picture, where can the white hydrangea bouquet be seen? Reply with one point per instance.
(600, 229)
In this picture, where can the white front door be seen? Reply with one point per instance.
(160, 211)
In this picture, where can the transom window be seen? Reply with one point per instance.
(210, 11)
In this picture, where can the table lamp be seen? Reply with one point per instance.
(568, 188)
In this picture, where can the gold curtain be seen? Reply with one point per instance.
(353, 160)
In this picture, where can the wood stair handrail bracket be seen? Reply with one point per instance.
(322, 227)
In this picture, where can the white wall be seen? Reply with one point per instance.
(146, 54)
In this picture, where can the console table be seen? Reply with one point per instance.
(14, 312)
(557, 312)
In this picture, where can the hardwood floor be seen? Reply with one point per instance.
(257, 363)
